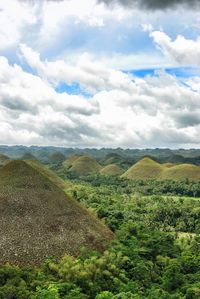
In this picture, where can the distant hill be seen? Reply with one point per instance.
(28, 156)
(144, 169)
(3, 159)
(111, 169)
(113, 158)
(38, 220)
(182, 172)
(84, 166)
(150, 169)
(70, 160)
(57, 157)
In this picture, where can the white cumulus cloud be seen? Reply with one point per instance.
(123, 111)
(183, 51)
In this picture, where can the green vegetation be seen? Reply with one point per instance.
(57, 158)
(28, 156)
(122, 157)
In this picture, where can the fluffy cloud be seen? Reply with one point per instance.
(14, 16)
(44, 23)
(183, 51)
(154, 111)
(91, 75)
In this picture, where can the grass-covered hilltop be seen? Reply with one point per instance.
(150, 169)
(39, 220)
(99, 224)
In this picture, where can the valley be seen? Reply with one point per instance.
(77, 227)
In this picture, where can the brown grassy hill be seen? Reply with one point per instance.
(70, 160)
(182, 172)
(144, 169)
(168, 165)
(85, 165)
(44, 170)
(111, 169)
(37, 219)
(149, 169)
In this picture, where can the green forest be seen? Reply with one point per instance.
(155, 252)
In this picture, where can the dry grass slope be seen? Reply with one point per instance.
(144, 169)
(182, 172)
(149, 169)
(111, 169)
(70, 160)
(37, 219)
(48, 173)
(85, 165)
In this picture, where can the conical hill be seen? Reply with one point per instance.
(111, 169)
(85, 165)
(144, 169)
(38, 220)
(149, 169)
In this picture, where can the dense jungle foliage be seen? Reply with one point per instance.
(156, 253)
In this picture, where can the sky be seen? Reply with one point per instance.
(100, 73)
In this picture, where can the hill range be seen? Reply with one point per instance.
(37, 219)
(146, 168)
(150, 169)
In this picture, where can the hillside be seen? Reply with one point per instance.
(182, 172)
(44, 170)
(28, 156)
(57, 157)
(111, 169)
(38, 220)
(3, 159)
(114, 158)
(149, 169)
(70, 160)
(144, 169)
(85, 165)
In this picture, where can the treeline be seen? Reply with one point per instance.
(143, 187)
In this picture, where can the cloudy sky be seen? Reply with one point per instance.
(100, 73)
